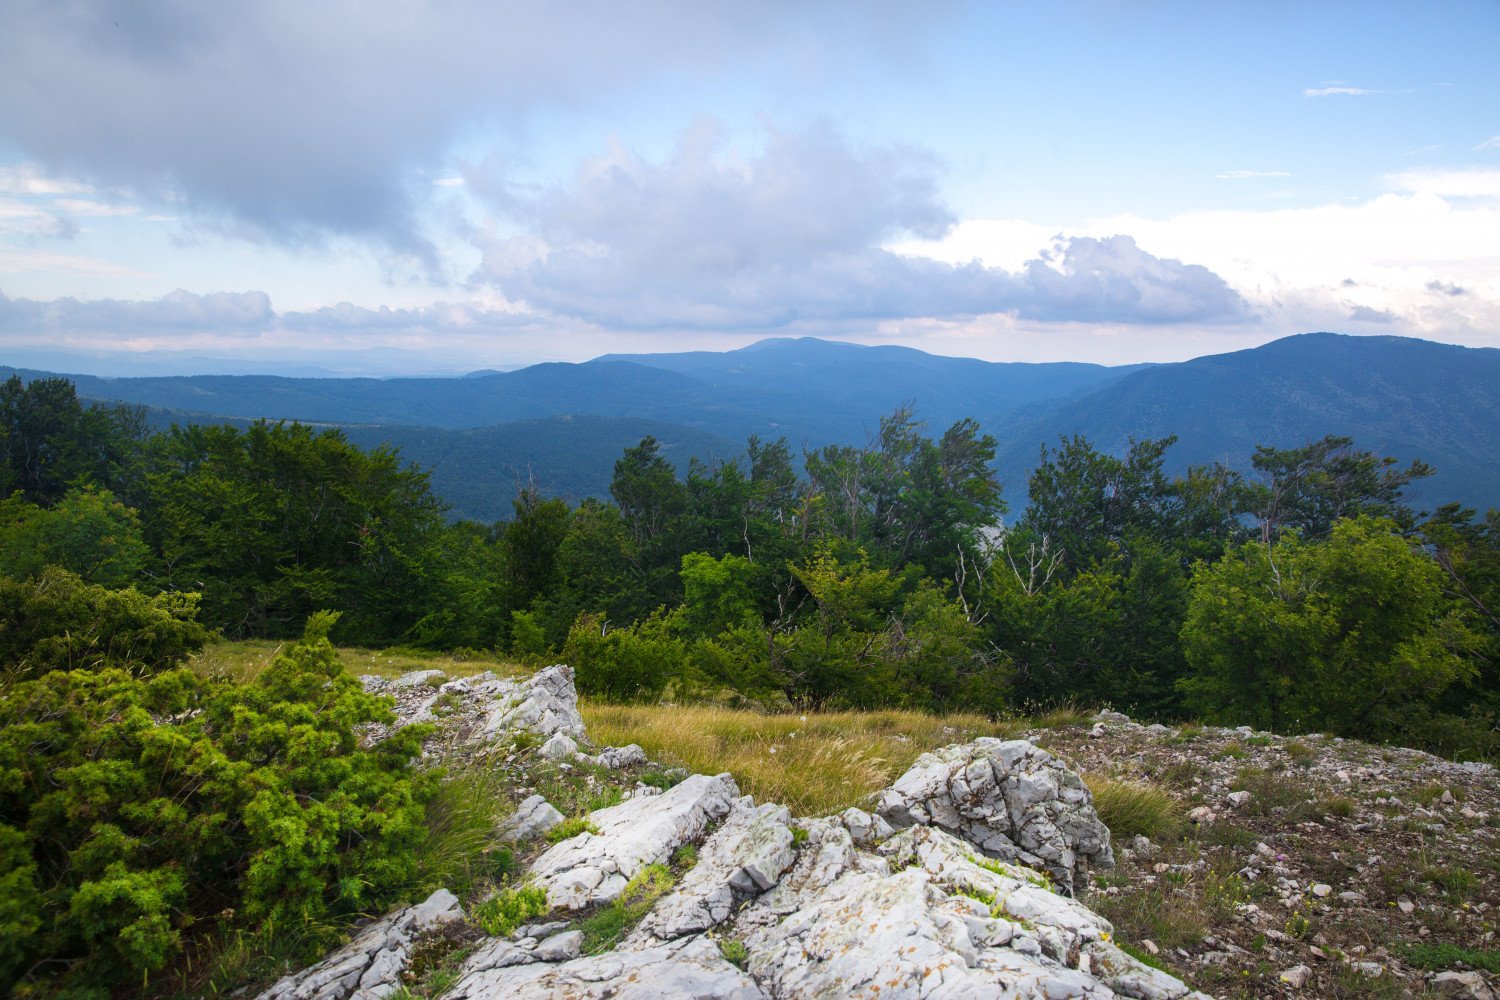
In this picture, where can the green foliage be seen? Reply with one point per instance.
(625, 664)
(1425, 955)
(1131, 808)
(52, 442)
(1308, 489)
(570, 828)
(510, 908)
(1343, 636)
(58, 622)
(277, 521)
(734, 952)
(607, 927)
(133, 808)
(718, 594)
(87, 532)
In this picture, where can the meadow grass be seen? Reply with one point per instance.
(242, 659)
(814, 764)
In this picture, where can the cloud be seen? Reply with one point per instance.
(1493, 142)
(1340, 92)
(1446, 288)
(798, 232)
(1474, 183)
(289, 121)
(1244, 175)
(222, 312)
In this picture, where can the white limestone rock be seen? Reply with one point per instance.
(1009, 798)
(370, 966)
(559, 747)
(532, 819)
(865, 828)
(594, 867)
(744, 857)
(691, 967)
(545, 703)
(616, 758)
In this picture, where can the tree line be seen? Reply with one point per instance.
(1305, 593)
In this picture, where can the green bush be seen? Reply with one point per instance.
(510, 908)
(624, 664)
(58, 622)
(136, 813)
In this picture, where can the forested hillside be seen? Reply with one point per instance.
(566, 423)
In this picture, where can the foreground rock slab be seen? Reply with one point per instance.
(689, 968)
(594, 867)
(1010, 799)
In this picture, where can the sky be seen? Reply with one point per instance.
(438, 186)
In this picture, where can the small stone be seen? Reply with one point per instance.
(1405, 905)
(1151, 947)
(1464, 985)
(1237, 800)
(561, 947)
(1322, 890)
(1202, 815)
(1296, 977)
(1372, 970)
(1352, 897)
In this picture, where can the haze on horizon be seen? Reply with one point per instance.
(447, 187)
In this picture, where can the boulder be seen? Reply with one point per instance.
(744, 857)
(1010, 799)
(615, 758)
(532, 819)
(594, 867)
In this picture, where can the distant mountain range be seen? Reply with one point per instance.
(565, 424)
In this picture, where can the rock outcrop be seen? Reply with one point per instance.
(945, 891)
(1010, 799)
(370, 966)
(594, 866)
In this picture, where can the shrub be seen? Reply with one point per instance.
(624, 664)
(133, 808)
(510, 908)
(58, 622)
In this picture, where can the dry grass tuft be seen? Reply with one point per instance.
(814, 764)
(1129, 808)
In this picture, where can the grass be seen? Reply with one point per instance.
(734, 952)
(605, 928)
(243, 659)
(1446, 956)
(1131, 808)
(570, 828)
(814, 764)
(460, 852)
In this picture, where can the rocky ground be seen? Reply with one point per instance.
(1312, 868)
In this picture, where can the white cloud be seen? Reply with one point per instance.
(1493, 142)
(1474, 183)
(805, 230)
(1340, 92)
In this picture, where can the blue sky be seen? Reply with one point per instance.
(448, 186)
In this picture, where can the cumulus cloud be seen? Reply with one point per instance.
(289, 120)
(1478, 182)
(798, 231)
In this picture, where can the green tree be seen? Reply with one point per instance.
(273, 522)
(1307, 489)
(52, 441)
(87, 532)
(1346, 635)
